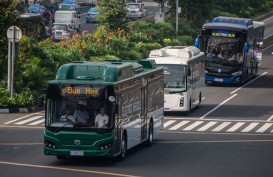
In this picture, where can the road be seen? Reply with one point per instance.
(231, 134)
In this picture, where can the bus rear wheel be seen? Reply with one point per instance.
(150, 139)
(123, 147)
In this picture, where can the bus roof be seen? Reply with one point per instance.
(175, 54)
(233, 20)
(107, 72)
(258, 24)
(226, 26)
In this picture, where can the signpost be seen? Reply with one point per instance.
(14, 34)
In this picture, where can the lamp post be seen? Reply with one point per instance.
(176, 18)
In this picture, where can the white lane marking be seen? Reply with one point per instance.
(218, 106)
(37, 122)
(264, 128)
(220, 120)
(235, 127)
(28, 120)
(248, 83)
(250, 127)
(192, 126)
(207, 126)
(270, 118)
(23, 117)
(179, 125)
(220, 127)
(267, 46)
(166, 124)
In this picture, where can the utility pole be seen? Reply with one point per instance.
(176, 18)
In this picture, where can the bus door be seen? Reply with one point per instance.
(191, 86)
(144, 109)
(117, 126)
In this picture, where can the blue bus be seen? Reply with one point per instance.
(230, 46)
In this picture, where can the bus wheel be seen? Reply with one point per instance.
(150, 139)
(189, 107)
(60, 157)
(200, 99)
(123, 147)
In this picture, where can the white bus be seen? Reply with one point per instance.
(184, 76)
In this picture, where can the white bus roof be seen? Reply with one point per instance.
(175, 54)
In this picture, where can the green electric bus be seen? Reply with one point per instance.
(132, 94)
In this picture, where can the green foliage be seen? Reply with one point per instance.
(185, 40)
(112, 14)
(101, 58)
(170, 42)
(7, 18)
(145, 48)
(24, 99)
(129, 55)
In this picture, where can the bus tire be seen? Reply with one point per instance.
(200, 99)
(123, 150)
(150, 139)
(189, 111)
(61, 157)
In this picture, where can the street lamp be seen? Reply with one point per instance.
(176, 18)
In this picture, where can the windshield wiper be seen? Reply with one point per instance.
(58, 129)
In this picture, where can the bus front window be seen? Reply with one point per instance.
(174, 78)
(228, 50)
(80, 113)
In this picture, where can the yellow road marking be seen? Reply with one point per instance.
(11, 126)
(20, 144)
(67, 169)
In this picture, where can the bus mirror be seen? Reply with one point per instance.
(189, 72)
(260, 44)
(246, 47)
(197, 41)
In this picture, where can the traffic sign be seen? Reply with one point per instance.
(14, 32)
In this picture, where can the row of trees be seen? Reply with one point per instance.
(38, 61)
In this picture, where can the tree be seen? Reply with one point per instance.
(7, 18)
(112, 14)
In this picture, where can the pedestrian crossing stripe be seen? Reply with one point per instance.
(184, 125)
(217, 126)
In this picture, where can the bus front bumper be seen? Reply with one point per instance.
(78, 153)
(236, 79)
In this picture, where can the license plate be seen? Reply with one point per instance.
(76, 153)
(218, 80)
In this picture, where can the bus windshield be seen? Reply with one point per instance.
(70, 107)
(174, 77)
(225, 50)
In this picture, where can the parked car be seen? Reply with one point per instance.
(136, 11)
(61, 31)
(45, 13)
(68, 17)
(70, 5)
(92, 14)
(88, 2)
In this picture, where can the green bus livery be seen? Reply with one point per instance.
(129, 94)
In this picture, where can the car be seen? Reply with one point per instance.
(88, 2)
(61, 31)
(135, 11)
(45, 13)
(70, 5)
(92, 14)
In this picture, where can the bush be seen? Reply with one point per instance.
(145, 48)
(170, 42)
(23, 99)
(185, 40)
(130, 55)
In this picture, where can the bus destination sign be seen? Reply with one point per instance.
(223, 33)
(80, 90)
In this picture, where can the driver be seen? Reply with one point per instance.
(68, 116)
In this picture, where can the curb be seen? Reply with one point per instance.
(21, 110)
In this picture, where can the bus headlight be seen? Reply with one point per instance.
(50, 144)
(181, 104)
(105, 146)
(237, 73)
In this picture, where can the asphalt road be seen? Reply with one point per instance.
(243, 148)
(231, 134)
